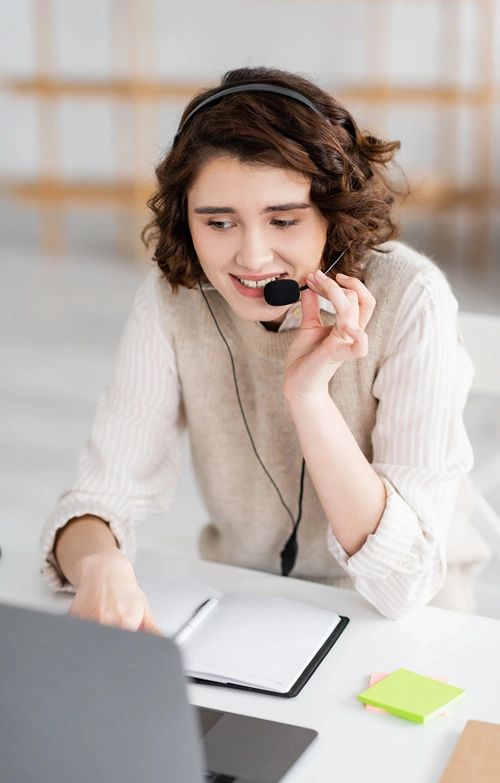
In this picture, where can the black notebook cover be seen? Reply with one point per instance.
(303, 677)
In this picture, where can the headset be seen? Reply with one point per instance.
(276, 293)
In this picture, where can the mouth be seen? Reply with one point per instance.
(254, 286)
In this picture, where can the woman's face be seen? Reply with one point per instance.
(251, 223)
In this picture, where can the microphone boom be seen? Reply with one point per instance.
(287, 291)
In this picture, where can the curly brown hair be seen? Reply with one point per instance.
(347, 168)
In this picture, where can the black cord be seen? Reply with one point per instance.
(301, 493)
(289, 552)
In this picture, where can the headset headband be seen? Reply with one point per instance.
(257, 87)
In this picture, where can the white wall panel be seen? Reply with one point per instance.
(82, 38)
(199, 40)
(86, 140)
(18, 137)
(414, 42)
(16, 37)
(416, 127)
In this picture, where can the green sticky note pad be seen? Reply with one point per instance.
(412, 696)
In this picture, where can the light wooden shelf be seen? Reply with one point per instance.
(471, 198)
(126, 195)
(120, 89)
(149, 90)
(121, 195)
(53, 199)
(383, 93)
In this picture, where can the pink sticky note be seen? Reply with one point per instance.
(377, 676)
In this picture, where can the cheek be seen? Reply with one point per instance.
(310, 245)
(205, 240)
(215, 253)
(211, 255)
(196, 237)
(203, 247)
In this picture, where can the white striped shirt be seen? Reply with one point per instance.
(129, 468)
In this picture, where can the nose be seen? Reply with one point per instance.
(254, 251)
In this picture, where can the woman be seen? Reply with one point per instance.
(327, 434)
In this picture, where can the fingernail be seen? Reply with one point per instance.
(342, 277)
(321, 274)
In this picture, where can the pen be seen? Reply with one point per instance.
(197, 618)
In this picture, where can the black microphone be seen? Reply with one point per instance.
(287, 291)
(282, 292)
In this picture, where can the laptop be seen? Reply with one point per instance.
(83, 702)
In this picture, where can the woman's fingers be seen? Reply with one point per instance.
(366, 300)
(353, 304)
(311, 317)
(343, 300)
(359, 348)
(344, 293)
(149, 623)
(114, 599)
(347, 294)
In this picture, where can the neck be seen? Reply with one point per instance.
(274, 325)
(271, 326)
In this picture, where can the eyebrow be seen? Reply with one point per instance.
(231, 211)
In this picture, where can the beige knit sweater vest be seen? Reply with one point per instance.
(249, 526)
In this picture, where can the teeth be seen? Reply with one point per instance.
(257, 283)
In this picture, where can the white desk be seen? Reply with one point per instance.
(353, 744)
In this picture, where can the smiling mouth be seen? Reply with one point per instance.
(257, 283)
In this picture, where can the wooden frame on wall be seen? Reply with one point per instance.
(138, 97)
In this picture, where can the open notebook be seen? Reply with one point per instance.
(255, 642)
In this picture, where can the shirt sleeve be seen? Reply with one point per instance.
(420, 451)
(129, 467)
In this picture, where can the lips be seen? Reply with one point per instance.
(249, 293)
(258, 278)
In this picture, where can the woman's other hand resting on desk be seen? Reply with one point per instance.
(107, 590)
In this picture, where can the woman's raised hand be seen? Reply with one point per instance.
(318, 351)
(108, 593)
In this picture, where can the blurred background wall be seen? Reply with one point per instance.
(91, 93)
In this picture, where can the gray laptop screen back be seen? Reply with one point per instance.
(86, 703)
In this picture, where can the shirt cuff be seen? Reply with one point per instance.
(50, 570)
(389, 548)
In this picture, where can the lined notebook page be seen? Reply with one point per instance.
(173, 603)
(259, 641)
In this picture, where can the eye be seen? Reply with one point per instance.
(219, 225)
(285, 223)
(224, 225)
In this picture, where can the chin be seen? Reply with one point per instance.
(252, 312)
(263, 313)
(251, 309)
